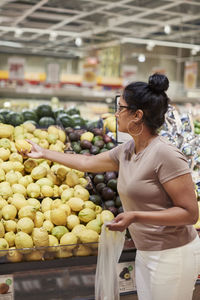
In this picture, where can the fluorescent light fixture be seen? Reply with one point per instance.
(18, 32)
(7, 104)
(167, 29)
(78, 41)
(141, 58)
(150, 46)
(195, 50)
(11, 44)
(158, 43)
(53, 35)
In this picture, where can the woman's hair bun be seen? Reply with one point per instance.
(158, 83)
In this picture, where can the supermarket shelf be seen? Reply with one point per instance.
(64, 94)
(9, 267)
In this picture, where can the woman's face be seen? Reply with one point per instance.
(123, 115)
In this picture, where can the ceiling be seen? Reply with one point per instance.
(50, 27)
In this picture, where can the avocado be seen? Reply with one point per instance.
(113, 209)
(110, 175)
(74, 143)
(91, 125)
(79, 132)
(68, 130)
(108, 193)
(73, 136)
(103, 150)
(97, 131)
(99, 144)
(97, 138)
(109, 203)
(118, 202)
(106, 138)
(85, 151)
(100, 186)
(112, 183)
(110, 145)
(94, 150)
(86, 144)
(76, 147)
(96, 199)
(98, 178)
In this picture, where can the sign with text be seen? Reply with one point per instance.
(190, 75)
(126, 275)
(6, 287)
(16, 68)
(53, 73)
(129, 74)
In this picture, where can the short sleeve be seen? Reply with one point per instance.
(115, 153)
(171, 163)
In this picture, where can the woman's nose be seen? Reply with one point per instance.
(117, 114)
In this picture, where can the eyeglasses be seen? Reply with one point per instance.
(120, 107)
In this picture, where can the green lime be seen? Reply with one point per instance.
(8, 281)
(130, 268)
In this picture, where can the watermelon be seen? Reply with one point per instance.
(65, 120)
(44, 110)
(29, 114)
(14, 118)
(73, 111)
(45, 122)
(58, 111)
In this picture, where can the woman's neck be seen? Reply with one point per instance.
(143, 140)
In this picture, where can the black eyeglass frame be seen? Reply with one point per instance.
(117, 106)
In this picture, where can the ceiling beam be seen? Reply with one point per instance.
(29, 12)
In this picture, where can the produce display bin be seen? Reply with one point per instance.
(65, 278)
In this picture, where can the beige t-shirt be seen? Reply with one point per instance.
(140, 188)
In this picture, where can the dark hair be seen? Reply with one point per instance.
(150, 98)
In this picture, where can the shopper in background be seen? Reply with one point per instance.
(157, 192)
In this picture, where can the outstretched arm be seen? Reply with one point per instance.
(94, 163)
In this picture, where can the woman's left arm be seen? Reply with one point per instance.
(185, 210)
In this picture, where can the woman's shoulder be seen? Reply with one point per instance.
(164, 149)
(163, 145)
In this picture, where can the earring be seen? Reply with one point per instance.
(136, 129)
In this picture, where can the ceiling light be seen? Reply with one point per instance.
(78, 42)
(167, 29)
(141, 58)
(11, 44)
(150, 46)
(18, 32)
(7, 104)
(53, 35)
(195, 50)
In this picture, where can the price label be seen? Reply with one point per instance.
(126, 276)
(6, 287)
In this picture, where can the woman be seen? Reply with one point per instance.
(156, 190)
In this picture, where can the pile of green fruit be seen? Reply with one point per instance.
(89, 142)
(197, 127)
(44, 116)
(104, 191)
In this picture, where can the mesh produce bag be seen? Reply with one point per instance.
(106, 280)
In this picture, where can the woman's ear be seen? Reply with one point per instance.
(138, 115)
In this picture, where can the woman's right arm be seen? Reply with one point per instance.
(94, 163)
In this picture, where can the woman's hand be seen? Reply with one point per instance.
(36, 151)
(122, 221)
